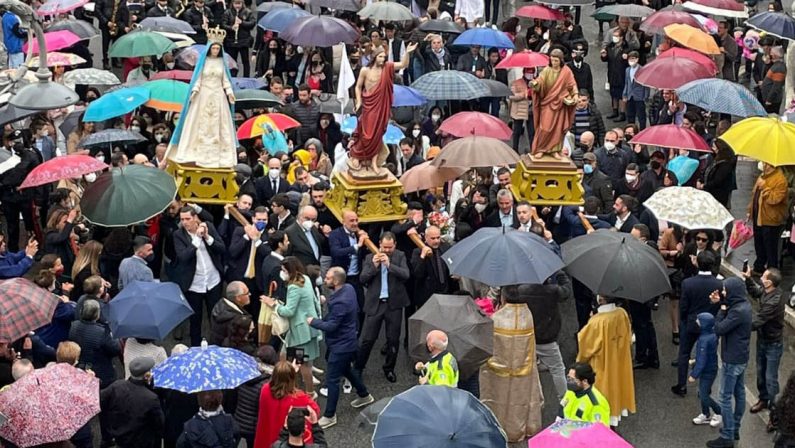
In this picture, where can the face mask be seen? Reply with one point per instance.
(655, 164)
(435, 117)
(545, 35)
(260, 225)
(91, 177)
(633, 63)
(616, 39)
(299, 50)
(307, 225)
(284, 276)
(170, 65)
(273, 173)
(587, 168)
(324, 123)
(59, 271)
(630, 178)
(480, 207)
(135, 128)
(528, 76)
(760, 166)
(518, 29)
(578, 58)
(572, 386)
(610, 146)
(150, 258)
(90, 98)
(160, 137)
(319, 281)
(146, 68)
(415, 133)
(100, 157)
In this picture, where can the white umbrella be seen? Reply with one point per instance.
(689, 207)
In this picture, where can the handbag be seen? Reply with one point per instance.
(279, 325)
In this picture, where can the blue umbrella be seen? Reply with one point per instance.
(503, 256)
(279, 19)
(719, 95)
(248, 83)
(392, 136)
(775, 23)
(437, 417)
(485, 37)
(148, 310)
(116, 103)
(205, 368)
(406, 96)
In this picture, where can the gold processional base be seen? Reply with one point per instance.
(373, 201)
(548, 181)
(204, 185)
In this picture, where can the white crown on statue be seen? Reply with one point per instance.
(216, 35)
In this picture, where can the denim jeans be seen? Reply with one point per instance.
(339, 365)
(732, 385)
(705, 382)
(768, 357)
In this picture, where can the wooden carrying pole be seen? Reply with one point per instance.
(585, 222)
(235, 213)
(417, 241)
(371, 246)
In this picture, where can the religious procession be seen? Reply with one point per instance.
(575, 223)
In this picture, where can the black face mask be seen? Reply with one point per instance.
(572, 386)
(655, 165)
(578, 58)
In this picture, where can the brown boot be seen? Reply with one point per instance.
(758, 406)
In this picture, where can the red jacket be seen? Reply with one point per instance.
(273, 413)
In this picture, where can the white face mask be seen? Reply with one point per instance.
(633, 63)
(545, 36)
(160, 137)
(616, 39)
(435, 117)
(274, 173)
(518, 29)
(284, 276)
(760, 166)
(307, 225)
(415, 133)
(91, 177)
(170, 65)
(610, 146)
(630, 178)
(135, 128)
(480, 207)
(100, 156)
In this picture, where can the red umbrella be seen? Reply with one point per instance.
(729, 5)
(465, 124)
(24, 308)
(65, 167)
(671, 136)
(179, 75)
(524, 59)
(694, 55)
(725, 8)
(672, 72)
(48, 405)
(655, 23)
(55, 40)
(539, 12)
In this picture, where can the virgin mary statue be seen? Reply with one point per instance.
(205, 135)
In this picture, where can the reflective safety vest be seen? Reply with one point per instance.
(442, 370)
(589, 406)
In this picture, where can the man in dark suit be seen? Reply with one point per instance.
(346, 245)
(408, 158)
(199, 252)
(475, 211)
(305, 238)
(271, 282)
(590, 208)
(414, 219)
(272, 184)
(503, 183)
(622, 219)
(229, 224)
(384, 276)
(428, 270)
(247, 249)
(694, 299)
(281, 218)
(505, 215)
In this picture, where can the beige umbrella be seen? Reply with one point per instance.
(475, 152)
(426, 176)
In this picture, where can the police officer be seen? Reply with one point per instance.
(582, 401)
(442, 369)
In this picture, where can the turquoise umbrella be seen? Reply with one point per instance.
(116, 103)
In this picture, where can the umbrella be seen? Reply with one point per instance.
(464, 124)
(723, 8)
(503, 256)
(671, 136)
(279, 19)
(485, 37)
(655, 23)
(55, 40)
(81, 28)
(426, 176)
(440, 26)
(539, 12)
(470, 332)
(70, 122)
(55, 7)
(566, 2)
(166, 94)
(140, 43)
(328, 103)
(496, 88)
(406, 96)
(130, 195)
(576, 434)
(367, 419)
(776, 23)
(148, 310)
(90, 77)
(247, 83)
(392, 136)
(70, 166)
(48, 405)
(474, 152)
(607, 262)
(253, 127)
(179, 75)
(111, 136)
(24, 308)
(180, 40)
(671, 72)
(387, 11)
(693, 55)
(438, 417)
(320, 31)
(719, 95)
(450, 85)
(166, 24)
(624, 10)
(338, 5)
(256, 99)
(57, 59)
(267, 7)
(778, 137)
(688, 207)
(116, 103)
(524, 59)
(10, 113)
(205, 368)
(187, 57)
(692, 38)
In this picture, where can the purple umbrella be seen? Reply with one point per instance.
(188, 56)
(320, 31)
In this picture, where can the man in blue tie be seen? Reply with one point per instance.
(346, 245)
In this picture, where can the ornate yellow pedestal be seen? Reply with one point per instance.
(373, 201)
(204, 185)
(547, 182)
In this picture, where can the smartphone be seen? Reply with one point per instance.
(295, 353)
(745, 265)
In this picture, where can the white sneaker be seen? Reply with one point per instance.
(317, 371)
(327, 422)
(346, 386)
(315, 381)
(701, 420)
(716, 421)
(324, 391)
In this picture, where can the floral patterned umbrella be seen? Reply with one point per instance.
(688, 207)
(205, 368)
(90, 77)
(56, 59)
(70, 166)
(24, 308)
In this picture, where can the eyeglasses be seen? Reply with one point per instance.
(702, 239)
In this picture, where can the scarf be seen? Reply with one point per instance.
(440, 56)
(206, 415)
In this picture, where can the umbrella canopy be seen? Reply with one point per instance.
(116, 103)
(48, 405)
(688, 207)
(775, 23)
(426, 176)
(130, 195)
(55, 40)
(247, 83)
(406, 96)
(140, 43)
(723, 8)
(81, 28)
(55, 7)
(179, 75)
(90, 77)
(253, 127)
(606, 262)
(180, 40)
(692, 37)
(387, 11)
(450, 85)
(205, 368)
(671, 136)
(693, 55)
(440, 26)
(524, 59)
(338, 5)
(57, 59)
(107, 137)
(256, 99)
(10, 113)
(267, 7)
(328, 103)
(624, 10)
(496, 88)
(540, 12)
(367, 419)
(576, 434)
(24, 308)
(565, 2)
(671, 72)
(70, 122)
(320, 31)
(778, 135)
(439, 417)
(719, 95)
(655, 23)
(464, 124)
(147, 310)
(470, 332)
(166, 24)
(166, 94)
(503, 256)
(392, 136)
(473, 152)
(278, 20)
(187, 57)
(485, 37)
(70, 166)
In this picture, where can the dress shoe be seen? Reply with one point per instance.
(674, 363)
(390, 376)
(675, 338)
(758, 406)
(720, 442)
(640, 366)
(620, 118)
(679, 390)
(612, 115)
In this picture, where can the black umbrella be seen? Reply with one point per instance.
(109, 137)
(255, 99)
(81, 28)
(616, 264)
(10, 113)
(70, 122)
(330, 104)
(338, 5)
(440, 26)
(268, 6)
(368, 418)
(496, 88)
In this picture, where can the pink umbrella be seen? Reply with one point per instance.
(66, 167)
(55, 40)
(179, 75)
(701, 58)
(573, 434)
(671, 136)
(540, 12)
(524, 59)
(660, 19)
(672, 72)
(426, 176)
(54, 7)
(465, 124)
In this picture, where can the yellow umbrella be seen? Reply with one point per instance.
(768, 139)
(692, 38)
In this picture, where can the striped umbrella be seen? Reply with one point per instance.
(719, 95)
(450, 85)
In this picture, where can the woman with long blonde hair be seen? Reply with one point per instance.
(86, 264)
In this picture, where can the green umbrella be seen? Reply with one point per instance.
(167, 94)
(130, 195)
(255, 99)
(141, 43)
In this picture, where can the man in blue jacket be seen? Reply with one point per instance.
(733, 326)
(16, 264)
(13, 38)
(340, 325)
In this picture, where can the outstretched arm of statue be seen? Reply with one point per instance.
(404, 60)
(359, 87)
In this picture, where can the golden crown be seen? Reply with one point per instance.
(216, 35)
